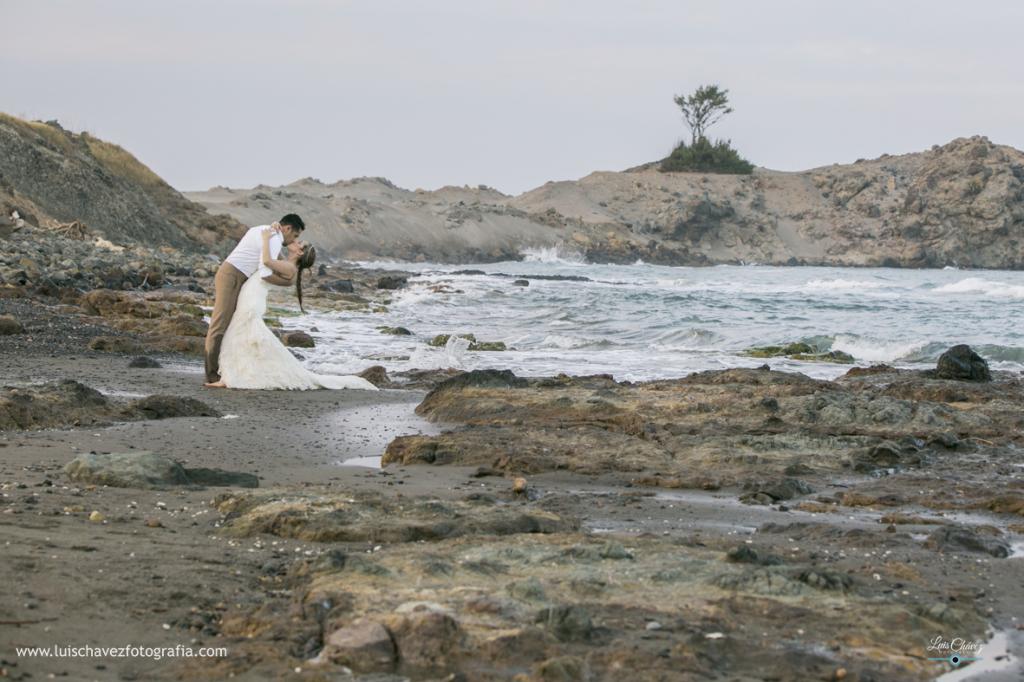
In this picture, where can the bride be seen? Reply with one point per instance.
(251, 356)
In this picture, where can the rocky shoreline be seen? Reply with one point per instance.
(745, 523)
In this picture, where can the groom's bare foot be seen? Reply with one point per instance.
(217, 384)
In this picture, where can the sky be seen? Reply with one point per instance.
(505, 94)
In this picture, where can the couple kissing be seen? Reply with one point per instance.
(241, 352)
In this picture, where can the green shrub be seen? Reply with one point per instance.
(704, 157)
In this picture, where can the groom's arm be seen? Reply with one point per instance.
(279, 280)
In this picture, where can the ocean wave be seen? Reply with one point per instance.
(686, 339)
(557, 254)
(868, 349)
(839, 284)
(569, 341)
(977, 285)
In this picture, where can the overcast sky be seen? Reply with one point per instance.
(507, 94)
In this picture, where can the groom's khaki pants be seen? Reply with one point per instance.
(226, 285)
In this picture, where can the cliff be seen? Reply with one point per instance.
(47, 173)
(960, 204)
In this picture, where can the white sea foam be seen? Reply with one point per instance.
(867, 349)
(977, 285)
(840, 284)
(554, 255)
(565, 341)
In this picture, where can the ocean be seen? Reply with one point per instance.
(642, 322)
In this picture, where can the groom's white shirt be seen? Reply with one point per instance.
(248, 255)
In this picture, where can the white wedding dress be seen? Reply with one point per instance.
(252, 357)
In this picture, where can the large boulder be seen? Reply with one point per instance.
(364, 646)
(131, 470)
(338, 286)
(964, 539)
(960, 363)
(149, 470)
(298, 340)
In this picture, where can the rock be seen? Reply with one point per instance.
(941, 613)
(339, 286)
(170, 406)
(779, 489)
(96, 516)
(563, 669)
(54, 404)
(117, 344)
(964, 539)
(395, 331)
(613, 549)
(182, 326)
(770, 581)
(130, 470)
(745, 554)
(960, 363)
(149, 470)
(144, 362)
(441, 340)
(519, 485)
(221, 478)
(298, 340)
(489, 379)
(363, 646)
(827, 579)
(392, 282)
(154, 523)
(9, 326)
(427, 640)
(376, 375)
(567, 623)
(521, 283)
(529, 590)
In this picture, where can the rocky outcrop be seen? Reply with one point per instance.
(958, 204)
(67, 403)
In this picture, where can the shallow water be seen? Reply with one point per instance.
(642, 322)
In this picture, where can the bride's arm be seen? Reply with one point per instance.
(281, 268)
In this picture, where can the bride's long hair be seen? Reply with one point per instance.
(305, 262)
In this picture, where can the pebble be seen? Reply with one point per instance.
(96, 516)
(154, 524)
(653, 625)
(519, 485)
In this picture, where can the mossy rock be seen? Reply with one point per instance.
(272, 322)
(800, 351)
(836, 356)
(782, 351)
(441, 340)
(284, 312)
(395, 331)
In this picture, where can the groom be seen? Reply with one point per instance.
(240, 264)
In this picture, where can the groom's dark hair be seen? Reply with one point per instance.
(294, 221)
